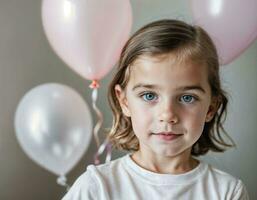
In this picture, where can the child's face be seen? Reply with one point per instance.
(168, 102)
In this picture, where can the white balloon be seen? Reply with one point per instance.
(53, 125)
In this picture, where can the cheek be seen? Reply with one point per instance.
(141, 118)
(196, 121)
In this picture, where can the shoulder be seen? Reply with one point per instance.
(94, 178)
(222, 177)
(85, 187)
(226, 183)
(108, 167)
(105, 173)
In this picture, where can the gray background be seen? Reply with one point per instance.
(26, 61)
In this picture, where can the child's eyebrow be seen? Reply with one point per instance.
(141, 85)
(193, 87)
(183, 88)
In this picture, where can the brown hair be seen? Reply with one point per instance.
(186, 42)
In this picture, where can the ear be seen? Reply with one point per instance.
(213, 108)
(121, 96)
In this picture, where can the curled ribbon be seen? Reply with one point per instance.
(95, 85)
(105, 145)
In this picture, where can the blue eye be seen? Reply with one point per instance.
(188, 98)
(149, 96)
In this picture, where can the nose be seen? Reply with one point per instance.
(168, 113)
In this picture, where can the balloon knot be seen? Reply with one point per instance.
(94, 84)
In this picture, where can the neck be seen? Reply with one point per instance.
(166, 164)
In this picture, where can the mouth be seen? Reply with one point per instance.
(167, 136)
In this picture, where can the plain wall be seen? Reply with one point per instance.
(27, 60)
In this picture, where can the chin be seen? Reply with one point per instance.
(172, 152)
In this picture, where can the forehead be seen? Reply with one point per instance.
(168, 70)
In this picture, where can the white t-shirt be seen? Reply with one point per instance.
(123, 179)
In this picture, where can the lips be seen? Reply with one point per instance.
(167, 136)
(166, 133)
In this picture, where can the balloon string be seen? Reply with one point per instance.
(99, 118)
(106, 145)
(62, 180)
(94, 85)
(109, 152)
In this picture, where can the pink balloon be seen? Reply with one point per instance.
(88, 35)
(231, 24)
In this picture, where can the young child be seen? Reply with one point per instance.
(168, 108)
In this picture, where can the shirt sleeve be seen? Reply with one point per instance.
(84, 188)
(240, 192)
